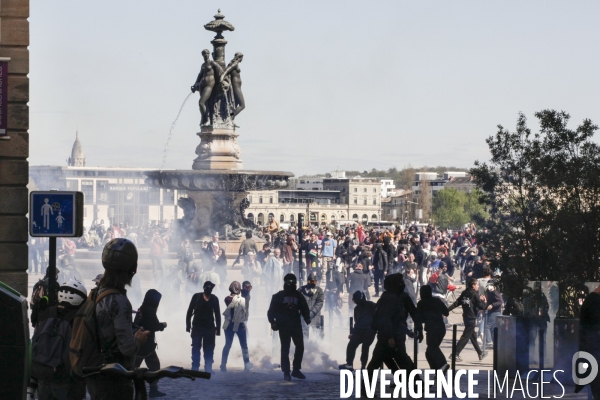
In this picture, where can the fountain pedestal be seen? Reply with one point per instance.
(218, 149)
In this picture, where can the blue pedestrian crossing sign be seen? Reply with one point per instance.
(56, 214)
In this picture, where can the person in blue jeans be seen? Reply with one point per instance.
(236, 317)
(206, 324)
(494, 308)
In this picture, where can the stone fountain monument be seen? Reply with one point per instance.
(217, 184)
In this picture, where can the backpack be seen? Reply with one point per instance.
(85, 349)
(50, 349)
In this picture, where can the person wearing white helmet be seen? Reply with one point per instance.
(56, 322)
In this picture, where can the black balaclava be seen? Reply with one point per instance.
(245, 292)
(152, 298)
(208, 287)
(426, 292)
(358, 297)
(311, 277)
(289, 283)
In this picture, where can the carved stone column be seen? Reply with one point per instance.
(218, 149)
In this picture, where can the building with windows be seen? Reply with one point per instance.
(433, 182)
(399, 207)
(114, 194)
(340, 200)
(464, 184)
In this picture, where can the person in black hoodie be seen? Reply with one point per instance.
(494, 309)
(362, 332)
(589, 332)
(471, 303)
(146, 317)
(285, 311)
(206, 325)
(389, 322)
(380, 264)
(431, 312)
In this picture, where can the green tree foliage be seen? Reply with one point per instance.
(453, 208)
(543, 193)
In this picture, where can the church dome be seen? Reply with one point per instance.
(77, 158)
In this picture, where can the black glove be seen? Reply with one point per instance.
(307, 321)
(187, 329)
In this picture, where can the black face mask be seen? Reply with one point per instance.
(289, 287)
(311, 285)
(208, 290)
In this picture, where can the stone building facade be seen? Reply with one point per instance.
(14, 40)
(340, 200)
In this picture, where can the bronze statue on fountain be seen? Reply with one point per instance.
(217, 185)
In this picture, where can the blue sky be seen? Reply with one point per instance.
(328, 85)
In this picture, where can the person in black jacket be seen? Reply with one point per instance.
(285, 311)
(206, 324)
(334, 288)
(389, 322)
(471, 303)
(494, 309)
(146, 317)
(358, 280)
(380, 265)
(432, 311)
(362, 333)
(314, 299)
(589, 332)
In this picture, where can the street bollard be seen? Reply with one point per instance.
(495, 347)
(322, 327)
(416, 348)
(541, 350)
(453, 349)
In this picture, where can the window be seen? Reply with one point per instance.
(374, 202)
(101, 191)
(271, 199)
(365, 218)
(355, 190)
(332, 217)
(365, 190)
(87, 187)
(355, 217)
(374, 190)
(250, 217)
(250, 199)
(72, 185)
(342, 217)
(374, 217)
(364, 201)
(323, 217)
(292, 217)
(313, 217)
(356, 200)
(281, 218)
(271, 215)
(261, 217)
(153, 195)
(260, 200)
(168, 196)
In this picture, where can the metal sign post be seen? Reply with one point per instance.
(300, 237)
(55, 214)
